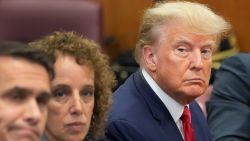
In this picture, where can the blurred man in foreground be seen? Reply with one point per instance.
(25, 75)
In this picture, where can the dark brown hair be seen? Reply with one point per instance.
(89, 53)
(23, 51)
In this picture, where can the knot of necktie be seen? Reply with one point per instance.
(186, 116)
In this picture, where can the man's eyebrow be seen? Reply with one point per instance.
(17, 89)
(186, 40)
(25, 91)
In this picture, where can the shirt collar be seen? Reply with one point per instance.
(173, 106)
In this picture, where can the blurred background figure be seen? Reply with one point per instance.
(81, 89)
(229, 106)
(25, 76)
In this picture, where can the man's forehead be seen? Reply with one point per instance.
(182, 31)
(19, 66)
(7, 62)
(22, 73)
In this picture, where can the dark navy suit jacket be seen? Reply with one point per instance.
(139, 115)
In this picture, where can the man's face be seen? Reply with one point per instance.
(24, 93)
(181, 62)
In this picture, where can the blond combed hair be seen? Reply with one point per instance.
(200, 17)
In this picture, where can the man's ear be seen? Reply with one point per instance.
(149, 57)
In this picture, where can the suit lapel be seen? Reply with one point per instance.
(158, 110)
(199, 123)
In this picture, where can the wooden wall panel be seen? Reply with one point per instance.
(122, 18)
(238, 13)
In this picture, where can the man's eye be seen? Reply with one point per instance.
(206, 53)
(43, 99)
(17, 97)
(181, 51)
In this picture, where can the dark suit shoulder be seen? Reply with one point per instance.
(138, 115)
(237, 64)
(128, 103)
(232, 80)
(228, 107)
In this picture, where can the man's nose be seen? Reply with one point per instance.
(33, 113)
(196, 60)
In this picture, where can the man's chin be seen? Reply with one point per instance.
(189, 95)
(192, 94)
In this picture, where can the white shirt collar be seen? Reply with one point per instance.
(173, 106)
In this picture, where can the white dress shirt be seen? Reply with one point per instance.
(174, 108)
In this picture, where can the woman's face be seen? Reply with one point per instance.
(71, 107)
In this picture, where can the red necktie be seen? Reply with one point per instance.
(187, 126)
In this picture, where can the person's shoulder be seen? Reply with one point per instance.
(128, 89)
(128, 103)
(238, 64)
(240, 58)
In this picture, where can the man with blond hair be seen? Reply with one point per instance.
(174, 50)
